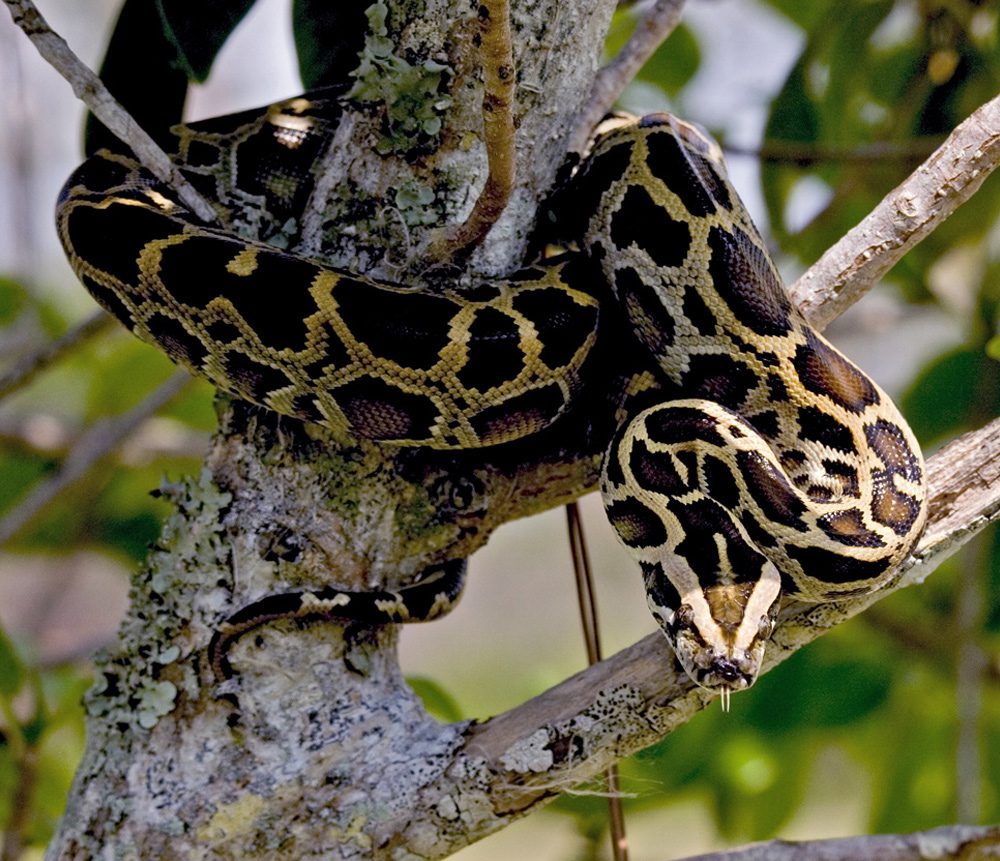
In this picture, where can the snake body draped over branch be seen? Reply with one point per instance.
(751, 459)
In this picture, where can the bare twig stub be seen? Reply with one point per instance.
(91, 91)
(498, 134)
(906, 215)
(658, 23)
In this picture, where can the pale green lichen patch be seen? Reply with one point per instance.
(529, 754)
(131, 687)
(410, 93)
(612, 715)
(414, 201)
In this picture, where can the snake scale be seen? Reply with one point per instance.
(771, 466)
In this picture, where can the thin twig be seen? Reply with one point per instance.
(28, 367)
(591, 635)
(906, 215)
(803, 154)
(91, 91)
(497, 59)
(99, 441)
(658, 23)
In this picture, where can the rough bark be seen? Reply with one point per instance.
(958, 842)
(332, 755)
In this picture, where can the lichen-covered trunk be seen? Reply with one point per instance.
(330, 754)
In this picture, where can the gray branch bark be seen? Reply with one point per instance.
(952, 842)
(333, 756)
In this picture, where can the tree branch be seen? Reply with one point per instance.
(333, 753)
(632, 699)
(958, 842)
(499, 76)
(91, 91)
(650, 32)
(907, 214)
(99, 441)
(28, 367)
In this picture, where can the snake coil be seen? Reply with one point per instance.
(770, 466)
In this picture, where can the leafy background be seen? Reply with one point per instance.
(891, 723)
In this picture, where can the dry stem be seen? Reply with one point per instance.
(91, 91)
(499, 77)
(658, 23)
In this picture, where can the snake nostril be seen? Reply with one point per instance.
(725, 669)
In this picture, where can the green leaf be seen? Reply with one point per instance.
(942, 397)
(13, 299)
(823, 686)
(436, 699)
(806, 15)
(674, 63)
(198, 31)
(756, 785)
(328, 39)
(11, 668)
(141, 70)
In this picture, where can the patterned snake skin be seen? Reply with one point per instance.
(771, 465)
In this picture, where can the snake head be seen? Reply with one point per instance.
(719, 632)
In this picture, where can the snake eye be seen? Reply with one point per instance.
(684, 616)
(765, 627)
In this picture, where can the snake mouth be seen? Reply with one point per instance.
(724, 672)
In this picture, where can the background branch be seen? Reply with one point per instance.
(907, 214)
(91, 91)
(609, 83)
(99, 441)
(28, 367)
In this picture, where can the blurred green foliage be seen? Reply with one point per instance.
(876, 85)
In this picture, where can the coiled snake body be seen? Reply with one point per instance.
(777, 468)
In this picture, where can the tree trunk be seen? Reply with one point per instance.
(332, 755)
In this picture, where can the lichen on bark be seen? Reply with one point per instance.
(332, 755)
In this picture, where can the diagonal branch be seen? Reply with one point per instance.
(639, 695)
(91, 91)
(99, 441)
(650, 32)
(950, 842)
(25, 370)
(907, 214)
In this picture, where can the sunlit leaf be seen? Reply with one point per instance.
(435, 698)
